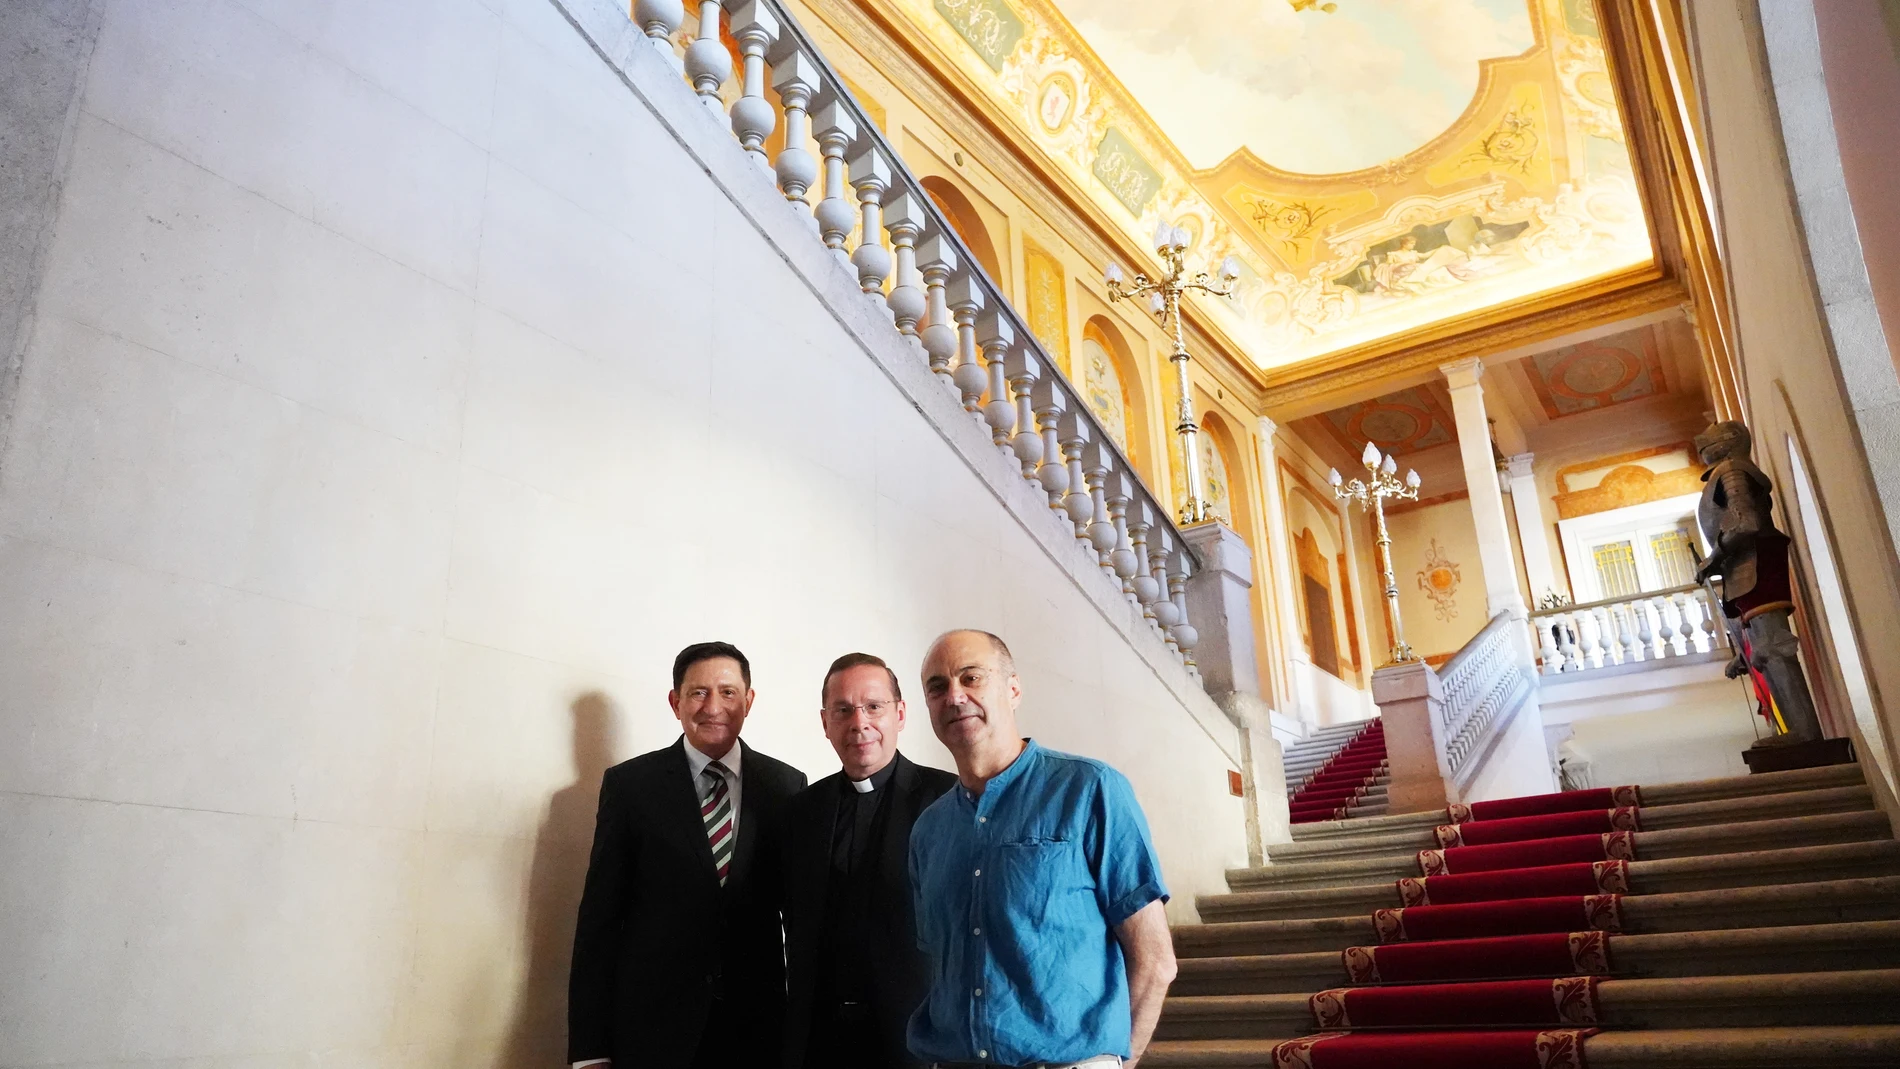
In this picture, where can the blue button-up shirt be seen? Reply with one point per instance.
(1018, 892)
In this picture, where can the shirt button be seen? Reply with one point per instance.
(982, 1054)
(979, 872)
(976, 931)
(979, 992)
(982, 820)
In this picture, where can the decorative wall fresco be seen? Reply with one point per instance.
(1102, 388)
(1597, 374)
(1047, 290)
(1439, 580)
(1216, 487)
(1485, 131)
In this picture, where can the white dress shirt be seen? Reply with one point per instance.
(696, 763)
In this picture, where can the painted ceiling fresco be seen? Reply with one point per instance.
(1597, 374)
(1400, 423)
(1377, 168)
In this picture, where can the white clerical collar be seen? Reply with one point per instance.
(697, 762)
(863, 786)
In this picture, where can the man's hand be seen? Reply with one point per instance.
(1148, 947)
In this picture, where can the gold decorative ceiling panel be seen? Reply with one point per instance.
(1433, 159)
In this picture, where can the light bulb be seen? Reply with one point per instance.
(1156, 304)
(1230, 269)
(1370, 458)
(1411, 479)
(1389, 466)
(1180, 237)
(1164, 234)
(1113, 273)
(1334, 477)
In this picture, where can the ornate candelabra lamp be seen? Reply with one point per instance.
(1381, 482)
(1164, 301)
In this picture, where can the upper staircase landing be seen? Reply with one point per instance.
(1338, 773)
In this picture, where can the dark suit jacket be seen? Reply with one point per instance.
(900, 974)
(660, 943)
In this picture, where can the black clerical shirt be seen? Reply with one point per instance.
(856, 835)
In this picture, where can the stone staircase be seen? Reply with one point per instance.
(1338, 773)
(1723, 924)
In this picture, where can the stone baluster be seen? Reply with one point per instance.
(1547, 639)
(1050, 404)
(1683, 642)
(1628, 621)
(1141, 520)
(1075, 431)
(1120, 489)
(966, 300)
(997, 334)
(939, 262)
(753, 118)
(1166, 613)
(660, 20)
(1572, 643)
(1648, 621)
(795, 77)
(1024, 371)
(1185, 636)
(905, 218)
(1593, 635)
(1098, 459)
(708, 64)
(1706, 636)
(836, 130)
(871, 176)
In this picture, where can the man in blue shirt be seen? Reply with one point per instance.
(1038, 893)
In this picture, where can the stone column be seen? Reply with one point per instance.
(1283, 602)
(1220, 602)
(1528, 507)
(1481, 481)
(1410, 700)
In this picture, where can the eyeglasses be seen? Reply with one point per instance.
(873, 709)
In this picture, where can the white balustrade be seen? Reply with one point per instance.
(1650, 627)
(1483, 683)
(908, 258)
(753, 117)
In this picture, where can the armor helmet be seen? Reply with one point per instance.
(1725, 439)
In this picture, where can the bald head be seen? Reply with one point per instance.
(998, 648)
(971, 688)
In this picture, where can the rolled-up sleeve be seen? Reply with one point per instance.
(1127, 869)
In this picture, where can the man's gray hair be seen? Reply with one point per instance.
(1004, 659)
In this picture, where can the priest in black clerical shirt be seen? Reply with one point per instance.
(853, 971)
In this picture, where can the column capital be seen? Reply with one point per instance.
(1463, 373)
(1268, 429)
(1520, 464)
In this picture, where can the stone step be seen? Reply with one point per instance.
(1827, 1047)
(1723, 952)
(1650, 846)
(1653, 818)
(1377, 790)
(1801, 864)
(1875, 898)
(1379, 783)
(1665, 794)
(1869, 996)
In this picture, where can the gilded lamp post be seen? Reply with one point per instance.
(1381, 482)
(1164, 300)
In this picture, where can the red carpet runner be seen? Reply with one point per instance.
(1342, 781)
(1494, 950)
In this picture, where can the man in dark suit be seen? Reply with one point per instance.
(854, 971)
(678, 954)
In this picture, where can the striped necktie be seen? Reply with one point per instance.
(715, 808)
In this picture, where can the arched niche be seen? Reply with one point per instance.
(1223, 477)
(1105, 374)
(1325, 593)
(963, 216)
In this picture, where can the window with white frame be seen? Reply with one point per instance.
(1635, 550)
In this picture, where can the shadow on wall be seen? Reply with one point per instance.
(538, 1038)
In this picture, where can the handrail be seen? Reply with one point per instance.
(1484, 686)
(870, 131)
(1685, 588)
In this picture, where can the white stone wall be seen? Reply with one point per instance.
(401, 395)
